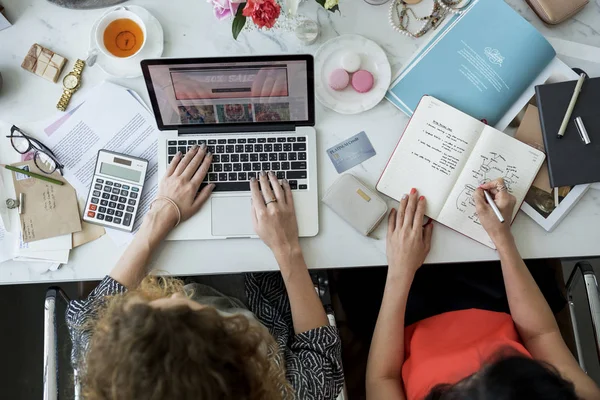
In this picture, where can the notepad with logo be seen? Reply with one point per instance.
(485, 61)
(446, 154)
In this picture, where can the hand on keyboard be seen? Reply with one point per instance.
(182, 180)
(274, 216)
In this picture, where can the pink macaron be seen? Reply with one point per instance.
(339, 79)
(362, 81)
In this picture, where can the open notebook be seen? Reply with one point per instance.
(446, 155)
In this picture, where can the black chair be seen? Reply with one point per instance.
(583, 296)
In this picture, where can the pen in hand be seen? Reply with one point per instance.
(489, 199)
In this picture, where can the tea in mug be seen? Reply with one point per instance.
(123, 37)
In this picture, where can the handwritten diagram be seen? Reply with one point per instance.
(493, 166)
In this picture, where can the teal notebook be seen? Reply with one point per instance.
(481, 62)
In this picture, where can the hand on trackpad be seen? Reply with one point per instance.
(231, 216)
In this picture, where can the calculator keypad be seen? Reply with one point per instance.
(113, 202)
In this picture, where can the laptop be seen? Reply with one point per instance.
(255, 114)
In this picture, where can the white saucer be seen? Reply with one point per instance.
(373, 59)
(130, 67)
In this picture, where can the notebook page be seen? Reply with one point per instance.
(496, 155)
(431, 153)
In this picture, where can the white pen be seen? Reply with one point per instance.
(565, 122)
(494, 206)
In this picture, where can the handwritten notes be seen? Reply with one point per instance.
(440, 147)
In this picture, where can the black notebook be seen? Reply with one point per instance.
(570, 161)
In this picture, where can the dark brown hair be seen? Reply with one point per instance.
(142, 352)
(511, 378)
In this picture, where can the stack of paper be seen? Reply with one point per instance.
(7, 241)
(55, 250)
(113, 118)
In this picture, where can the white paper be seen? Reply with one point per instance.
(3, 22)
(495, 155)
(63, 242)
(432, 152)
(41, 268)
(55, 250)
(7, 243)
(4, 211)
(111, 118)
(52, 256)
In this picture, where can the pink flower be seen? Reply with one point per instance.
(224, 8)
(264, 13)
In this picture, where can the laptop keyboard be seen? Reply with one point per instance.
(237, 160)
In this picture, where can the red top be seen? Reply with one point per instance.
(451, 346)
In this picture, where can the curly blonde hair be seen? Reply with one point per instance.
(142, 352)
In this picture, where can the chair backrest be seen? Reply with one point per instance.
(51, 389)
(583, 275)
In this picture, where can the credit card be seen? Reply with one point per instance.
(351, 152)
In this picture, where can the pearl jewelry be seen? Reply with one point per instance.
(449, 5)
(440, 9)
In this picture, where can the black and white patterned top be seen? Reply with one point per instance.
(313, 359)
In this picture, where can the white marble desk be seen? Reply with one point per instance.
(190, 30)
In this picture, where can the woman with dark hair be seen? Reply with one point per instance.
(462, 348)
(154, 338)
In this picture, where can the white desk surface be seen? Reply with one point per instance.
(191, 31)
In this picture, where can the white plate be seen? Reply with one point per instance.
(373, 59)
(130, 67)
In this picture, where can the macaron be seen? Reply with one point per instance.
(339, 79)
(362, 81)
(351, 62)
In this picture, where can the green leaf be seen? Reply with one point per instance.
(238, 22)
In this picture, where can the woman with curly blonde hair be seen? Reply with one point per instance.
(151, 337)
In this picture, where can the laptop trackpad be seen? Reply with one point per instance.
(231, 216)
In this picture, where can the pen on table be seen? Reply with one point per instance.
(565, 122)
(33, 175)
(493, 205)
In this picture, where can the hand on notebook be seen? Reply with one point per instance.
(505, 201)
(182, 181)
(274, 216)
(408, 241)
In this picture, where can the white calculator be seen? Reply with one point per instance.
(114, 197)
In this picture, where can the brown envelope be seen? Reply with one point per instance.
(89, 232)
(530, 132)
(49, 210)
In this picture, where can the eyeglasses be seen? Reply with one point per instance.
(43, 157)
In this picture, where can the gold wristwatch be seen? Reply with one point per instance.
(71, 82)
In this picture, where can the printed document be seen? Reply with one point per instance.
(111, 118)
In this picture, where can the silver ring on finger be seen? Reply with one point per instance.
(270, 201)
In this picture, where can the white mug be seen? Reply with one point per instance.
(117, 13)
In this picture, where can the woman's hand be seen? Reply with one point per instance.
(499, 231)
(274, 216)
(408, 242)
(181, 183)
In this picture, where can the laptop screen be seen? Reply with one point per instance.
(257, 90)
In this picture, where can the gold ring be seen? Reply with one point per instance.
(271, 201)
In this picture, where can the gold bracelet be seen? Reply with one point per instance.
(172, 203)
